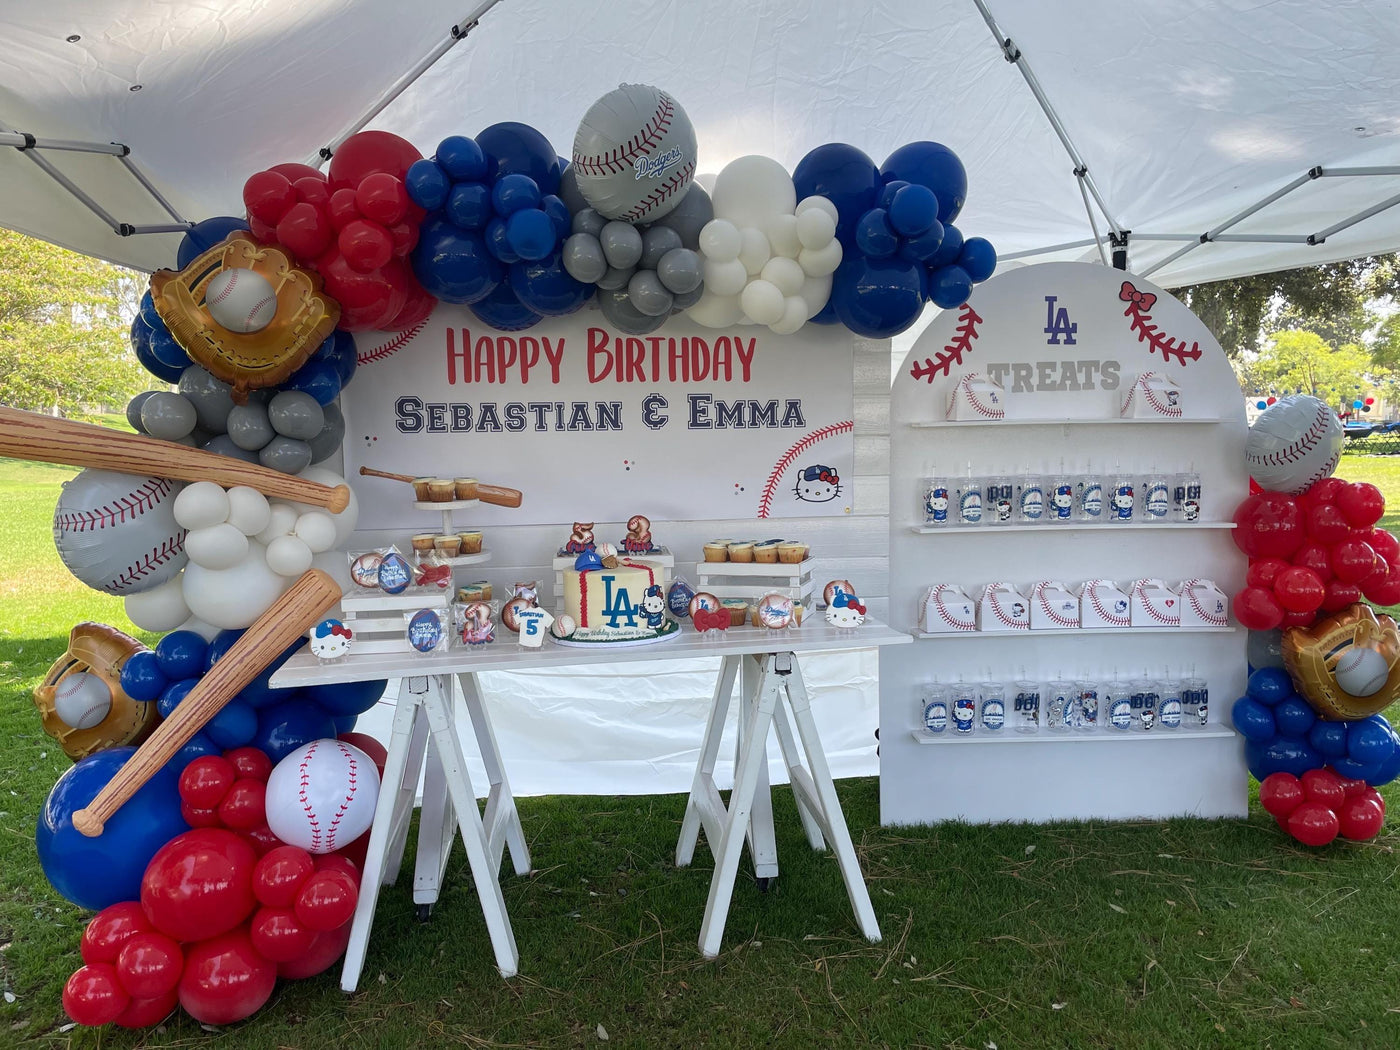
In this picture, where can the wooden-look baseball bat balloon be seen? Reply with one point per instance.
(498, 495)
(28, 435)
(289, 618)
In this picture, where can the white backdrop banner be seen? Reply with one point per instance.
(594, 425)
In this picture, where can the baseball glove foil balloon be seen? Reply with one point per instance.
(245, 312)
(1346, 666)
(93, 663)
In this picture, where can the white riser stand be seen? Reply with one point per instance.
(729, 579)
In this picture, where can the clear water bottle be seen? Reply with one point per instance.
(1169, 705)
(1195, 703)
(1060, 503)
(937, 502)
(1000, 501)
(935, 708)
(1122, 500)
(970, 501)
(1145, 698)
(1186, 497)
(963, 710)
(1089, 491)
(1061, 706)
(1156, 498)
(1089, 699)
(1030, 500)
(1116, 701)
(993, 707)
(1026, 707)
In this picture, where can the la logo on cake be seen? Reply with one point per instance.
(616, 605)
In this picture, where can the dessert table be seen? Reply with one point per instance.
(774, 697)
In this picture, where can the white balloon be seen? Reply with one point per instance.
(794, 316)
(216, 546)
(750, 189)
(235, 597)
(715, 311)
(725, 278)
(762, 301)
(815, 292)
(344, 521)
(720, 240)
(288, 556)
(755, 251)
(707, 180)
(818, 262)
(781, 231)
(207, 631)
(335, 565)
(819, 202)
(248, 510)
(203, 503)
(785, 273)
(815, 228)
(161, 608)
(316, 529)
(322, 796)
(281, 520)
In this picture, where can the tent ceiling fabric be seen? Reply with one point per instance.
(1186, 111)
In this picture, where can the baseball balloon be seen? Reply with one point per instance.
(241, 300)
(117, 532)
(1295, 442)
(234, 597)
(321, 797)
(216, 546)
(1362, 672)
(634, 154)
(82, 700)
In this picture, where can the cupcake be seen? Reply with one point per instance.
(717, 550)
(442, 490)
(471, 542)
(465, 488)
(422, 541)
(797, 611)
(448, 546)
(790, 552)
(741, 552)
(422, 489)
(738, 610)
(766, 552)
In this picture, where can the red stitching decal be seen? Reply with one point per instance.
(352, 776)
(392, 346)
(1139, 303)
(121, 510)
(153, 560)
(941, 364)
(306, 807)
(645, 206)
(770, 488)
(620, 158)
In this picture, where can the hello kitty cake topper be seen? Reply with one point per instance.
(846, 610)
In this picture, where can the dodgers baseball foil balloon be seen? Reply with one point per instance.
(634, 154)
(1293, 444)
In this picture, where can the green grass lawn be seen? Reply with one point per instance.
(1152, 934)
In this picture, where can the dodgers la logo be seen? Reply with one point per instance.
(1057, 324)
(616, 605)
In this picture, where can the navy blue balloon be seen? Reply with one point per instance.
(948, 249)
(1390, 768)
(234, 725)
(933, 166)
(344, 723)
(1328, 738)
(1349, 767)
(978, 258)
(166, 350)
(1253, 720)
(874, 236)
(531, 234)
(348, 698)
(1370, 741)
(454, 265)
(513, 148)
(96, 872)
(498, 242)
(503, 309)
(147, 310)
(891, 188)
(196, 746)
(469, 205)
(949, 287)
(222, 643)
(427, 184)
(204, 235)
(826, 315)
(1294, 717)
(172, 694)
(148, 360)
(462, 158)
(846, 177)
(285, 727)
(513, 193)
(923, 247)
(339, 349)
(140, 336)
(913, 209)
(142, 678)
(877, 298)
(181, 654)
(1269, 685)
(547, 288)
(320, 379)
(258, 692)
(1280, 755)
(558, 213)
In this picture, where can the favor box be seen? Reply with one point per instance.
(1102, 603)
(1003, 608)
(947, 609)
(1053, 606)
(1155, 604)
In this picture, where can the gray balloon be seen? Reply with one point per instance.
(648, 295)
(583, 258)
(568, 192)
(622, 244)
(681, 270)
(1264, 649)
(656, 242)
(687, 217)
(587, 221)
(167, 415)
(295, 414)
(133, 410)
(625, 317)
(325, 444)
(288, 455)
(615, 279)
(248, 426)
(222, 445)
(262, 395)
(685, 300)
(212, 398)
(200, 437)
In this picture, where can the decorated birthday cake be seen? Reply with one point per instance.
(613, 597)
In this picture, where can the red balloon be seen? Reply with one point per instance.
(1340, 595)
(339, 862)
(142, 1013)
(1350, 787)
(200, 818)
(250, 762)
(382, 198)
(365, 245)
(1263, 571)
(1375, 796)
(109, 929)
(321, 956)
(206, 781)
(355, 853)
(1326, 524)
(1299, 590)
(313, 190)
(264, 232)
(367, 301)
(245, 805)
(342, 208)
(1324, 491)
(305, 231)
(405, 235)
(1323, 785)
(327, 900)
(1387, 591)
(1313, 555)
(267, 196)
(369, 152)
(226, 979)
(1313, 824)
(94, 995)
(293, 171)
(279, 875)
(1352, 561)
(1280, 794)
(377, 752)
(1384, 544)
(1360, 819)
(1258, 609)
(420, 304)
(1370, 401)
(262, 838)
(1298, 619)
(1269, 525)
(278, 934)
(1361, 503)
(199, 884)
(150, 965)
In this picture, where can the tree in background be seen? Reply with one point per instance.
(1299, 361)
(63, 328)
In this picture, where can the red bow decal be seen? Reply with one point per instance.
(1141, 300)
(342, 631)
(830, 476)
(705, 619)
(428, 575)
(852, 603)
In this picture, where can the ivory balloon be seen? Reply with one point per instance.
(795, 314)
(207, 631)
(762, 302)
(815, 292)
(725, 278)
(160, 609)
(781, 231)
(755, 251)
(201, 504)
(234, 597)
(750, 189)
(281, 520)
(248, 510)
(819, 202)
(316, 529)
(720, 240)
(346, 519)
(715, 311)
(819, 262)
(216, 546)
(288, 556)
(815, 228)
(785, 273)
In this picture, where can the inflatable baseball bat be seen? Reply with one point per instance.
(28, 435)
(498, 495)
(290, 617)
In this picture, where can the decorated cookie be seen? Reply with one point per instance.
(563, 626)
(829, 591)
(704, 602)
(364, 570)
(395, 574)
(845, 610)
(510, 612)
(678, 598)
(774, 611)
(477, 628)
(425, 630)
(330, 640)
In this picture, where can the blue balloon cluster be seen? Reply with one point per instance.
(1284, 735)
(895, 225)
(494, 227)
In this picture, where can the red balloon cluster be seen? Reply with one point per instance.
(354, 225)
(1315, 553)
(1322, 805)
(230, 792)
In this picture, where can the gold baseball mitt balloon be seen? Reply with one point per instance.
(1354, 649)
(92, 668)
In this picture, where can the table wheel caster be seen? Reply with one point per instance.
(765, 883)
(423, 912)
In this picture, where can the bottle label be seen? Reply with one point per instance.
(1155, 501)
(1123, 503)
(1066, 707)
(964, 714)
(1170, 713)
(993, 714)
(970, 506)
(1120, 713)
(1032, 502)
(936, 716)
(1028, 706)
(1062, 502)
(936, 504)
(1089, 707)
(1091, 500)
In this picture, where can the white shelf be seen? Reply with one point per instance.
(470, 559)
(447, 505)
(936, 424)
(753, 568)
(1076, 630)
(1076, 526)
(950, 737)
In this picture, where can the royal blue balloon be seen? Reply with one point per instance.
(142, 678)
(222, 643)
(96, 872)
(282, 728)
(546, 287)
(503, 309)
(948, 249)
(1370, 741)
(1253, 720)
(140, 335)
(172, 694)
(1261, 405)
(454, 265)
(344, 723)
(196, 746)
(234, 726)
(558, 213)
(469, 205)
(1294, 717)
(258, 692)
(498, 242)
(978, 258)
(147, 310)
(933, 166)
(513, 193)
(166, 350)
(1390, 768)
(165, 373)
(913, 209)
(949, 287)
(1328, 738)
(531, 234)
(1269, 685)
(887, 194)
(347, 698)
(846, 177)
(1349, 767)
(877, 298)
(320, 379)
(923, 247)
(1280, 755)
(513, 148)
(204, 235)
(339, 349)
(181, 654)
(427, 184)
(874, 236)
(462, 158)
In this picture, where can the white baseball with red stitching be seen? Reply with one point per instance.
(634, 154)
(117, 532)
(241, 300)
(1208, 616)
(322, 796)
(945, 614)
(1051, 613)
(1091, 589)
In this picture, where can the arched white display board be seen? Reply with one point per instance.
(1065, 341)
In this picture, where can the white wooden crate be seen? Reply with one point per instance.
(734, 579)
(377, 619)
